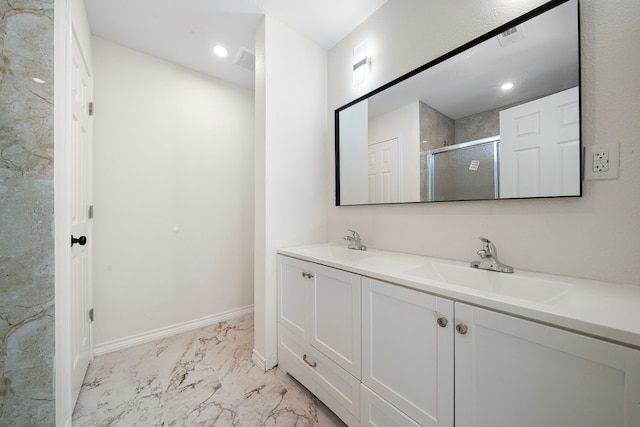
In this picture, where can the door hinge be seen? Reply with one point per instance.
(91, 212)
(91, 315)
(91, 108)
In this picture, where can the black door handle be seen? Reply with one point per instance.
(82, 240)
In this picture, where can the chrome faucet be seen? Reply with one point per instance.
(354, 241)
(489, 258)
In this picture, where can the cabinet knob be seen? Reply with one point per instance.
(312, 364)
(307, 275)
(443, 322)
(462, 328)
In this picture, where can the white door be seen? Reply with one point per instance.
(513, 372)
(407, 351)
(80, 142)
(384, 182)
(334, 313)
(540, 147)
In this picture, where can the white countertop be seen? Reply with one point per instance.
(605, 310)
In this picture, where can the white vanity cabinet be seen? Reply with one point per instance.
(319, 332)
(407, 353)
(515, 372)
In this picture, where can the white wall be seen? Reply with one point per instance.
(596, 236)
(291, 158)
(173, 194)
(404, 124)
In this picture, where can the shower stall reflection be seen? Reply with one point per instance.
(466, 171)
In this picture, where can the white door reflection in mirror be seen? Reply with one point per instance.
(383, 172)
(540, 147)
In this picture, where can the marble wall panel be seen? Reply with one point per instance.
(436, 129)
(26, 214)
(478, 126)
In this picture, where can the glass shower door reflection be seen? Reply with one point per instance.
(467, 171)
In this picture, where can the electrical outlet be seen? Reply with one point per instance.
(600, 155)
(601, 161)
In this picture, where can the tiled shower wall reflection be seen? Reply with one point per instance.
(26, 214)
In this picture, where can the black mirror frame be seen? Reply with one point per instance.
(495, 32)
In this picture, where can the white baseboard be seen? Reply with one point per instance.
(272, 362)
(258, 360)
(262, 363)
(167, 331)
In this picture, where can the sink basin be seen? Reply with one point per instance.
(336, 253)
(493, 284)
(425, 271)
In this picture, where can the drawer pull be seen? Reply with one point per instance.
(443, 322)
(313, 365)
(307, 275)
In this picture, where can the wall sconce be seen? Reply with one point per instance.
(361, 63)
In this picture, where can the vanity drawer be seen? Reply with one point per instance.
(376, 411)
(338, 389)
(334, 382)
(291, 349)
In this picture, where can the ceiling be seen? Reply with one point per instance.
(543, 60)
(184, 32)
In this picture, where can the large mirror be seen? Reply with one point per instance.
(497, 118)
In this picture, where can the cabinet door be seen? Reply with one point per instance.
(334, 308)
(407, 356)
(292, 284)
(513, 372)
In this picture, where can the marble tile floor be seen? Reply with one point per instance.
(203, 377)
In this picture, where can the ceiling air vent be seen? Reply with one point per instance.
(245, 58)
(511, 36)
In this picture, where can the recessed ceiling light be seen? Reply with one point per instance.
(220, 51)
(506, 86)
